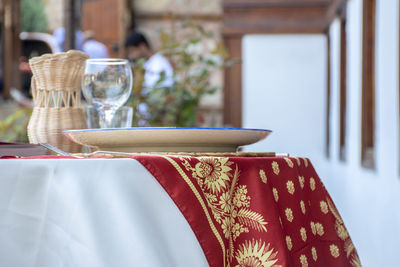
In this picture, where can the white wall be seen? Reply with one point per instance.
(284, 89)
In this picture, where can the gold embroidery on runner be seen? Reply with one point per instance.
(289, 162)
(312, 183)
(334, 251)
(275, 167)
(301, 181)
(342, 233)
(228, 201)
(256, 253)
(203, 205)
(303, 207)
(303, 260)
(314, 253)
(313, 229)
(303, 234)
(289, 214)
(263, 176)
(289, 242)
(290, 187)
(305, 162)
(319, 228)
(324, 207)
(275, 192)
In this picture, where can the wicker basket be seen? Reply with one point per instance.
(56, 94)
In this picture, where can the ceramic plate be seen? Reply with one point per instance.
(167, 139)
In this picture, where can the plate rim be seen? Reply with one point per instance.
(165, 128)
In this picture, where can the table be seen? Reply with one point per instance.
(169, 211)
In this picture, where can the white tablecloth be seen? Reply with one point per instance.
(90, 213)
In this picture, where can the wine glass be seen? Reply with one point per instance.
(107, 85)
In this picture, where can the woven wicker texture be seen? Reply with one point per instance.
(57, 79)
(56, 90)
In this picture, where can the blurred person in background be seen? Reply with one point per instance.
(138, 47)
(92, 47)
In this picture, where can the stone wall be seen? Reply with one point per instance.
(153, 15)
(179, 6)
(55, 15)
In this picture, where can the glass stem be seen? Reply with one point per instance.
(106, 118)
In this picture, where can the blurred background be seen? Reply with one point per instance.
(322, 74)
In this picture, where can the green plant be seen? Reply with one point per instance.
(13, 128)
(193, 65)
(33, 16)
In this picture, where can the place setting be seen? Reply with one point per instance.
(107, 85)
(104, 125)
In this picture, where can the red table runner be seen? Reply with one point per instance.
(256, 211)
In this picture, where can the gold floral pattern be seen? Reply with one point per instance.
(314, 253)
(302, 207)
(214, 172)
(355, 261)
(319, 228)
(301, 181)
(201, 201)
(303, 234)
(275, 192)
(289, 214)
(289, 162)
(263, 176)
(256, 254)
(340, 229)
(313, 230)
(305, 162)
(334, 251)
(342, 233)
(312, 183)
(324, 207)
(289, 243)
(303, 260)
(275, 167)
(224, 201)
(290, 187)
(226, 227)
(240, 198)
(228, 201)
